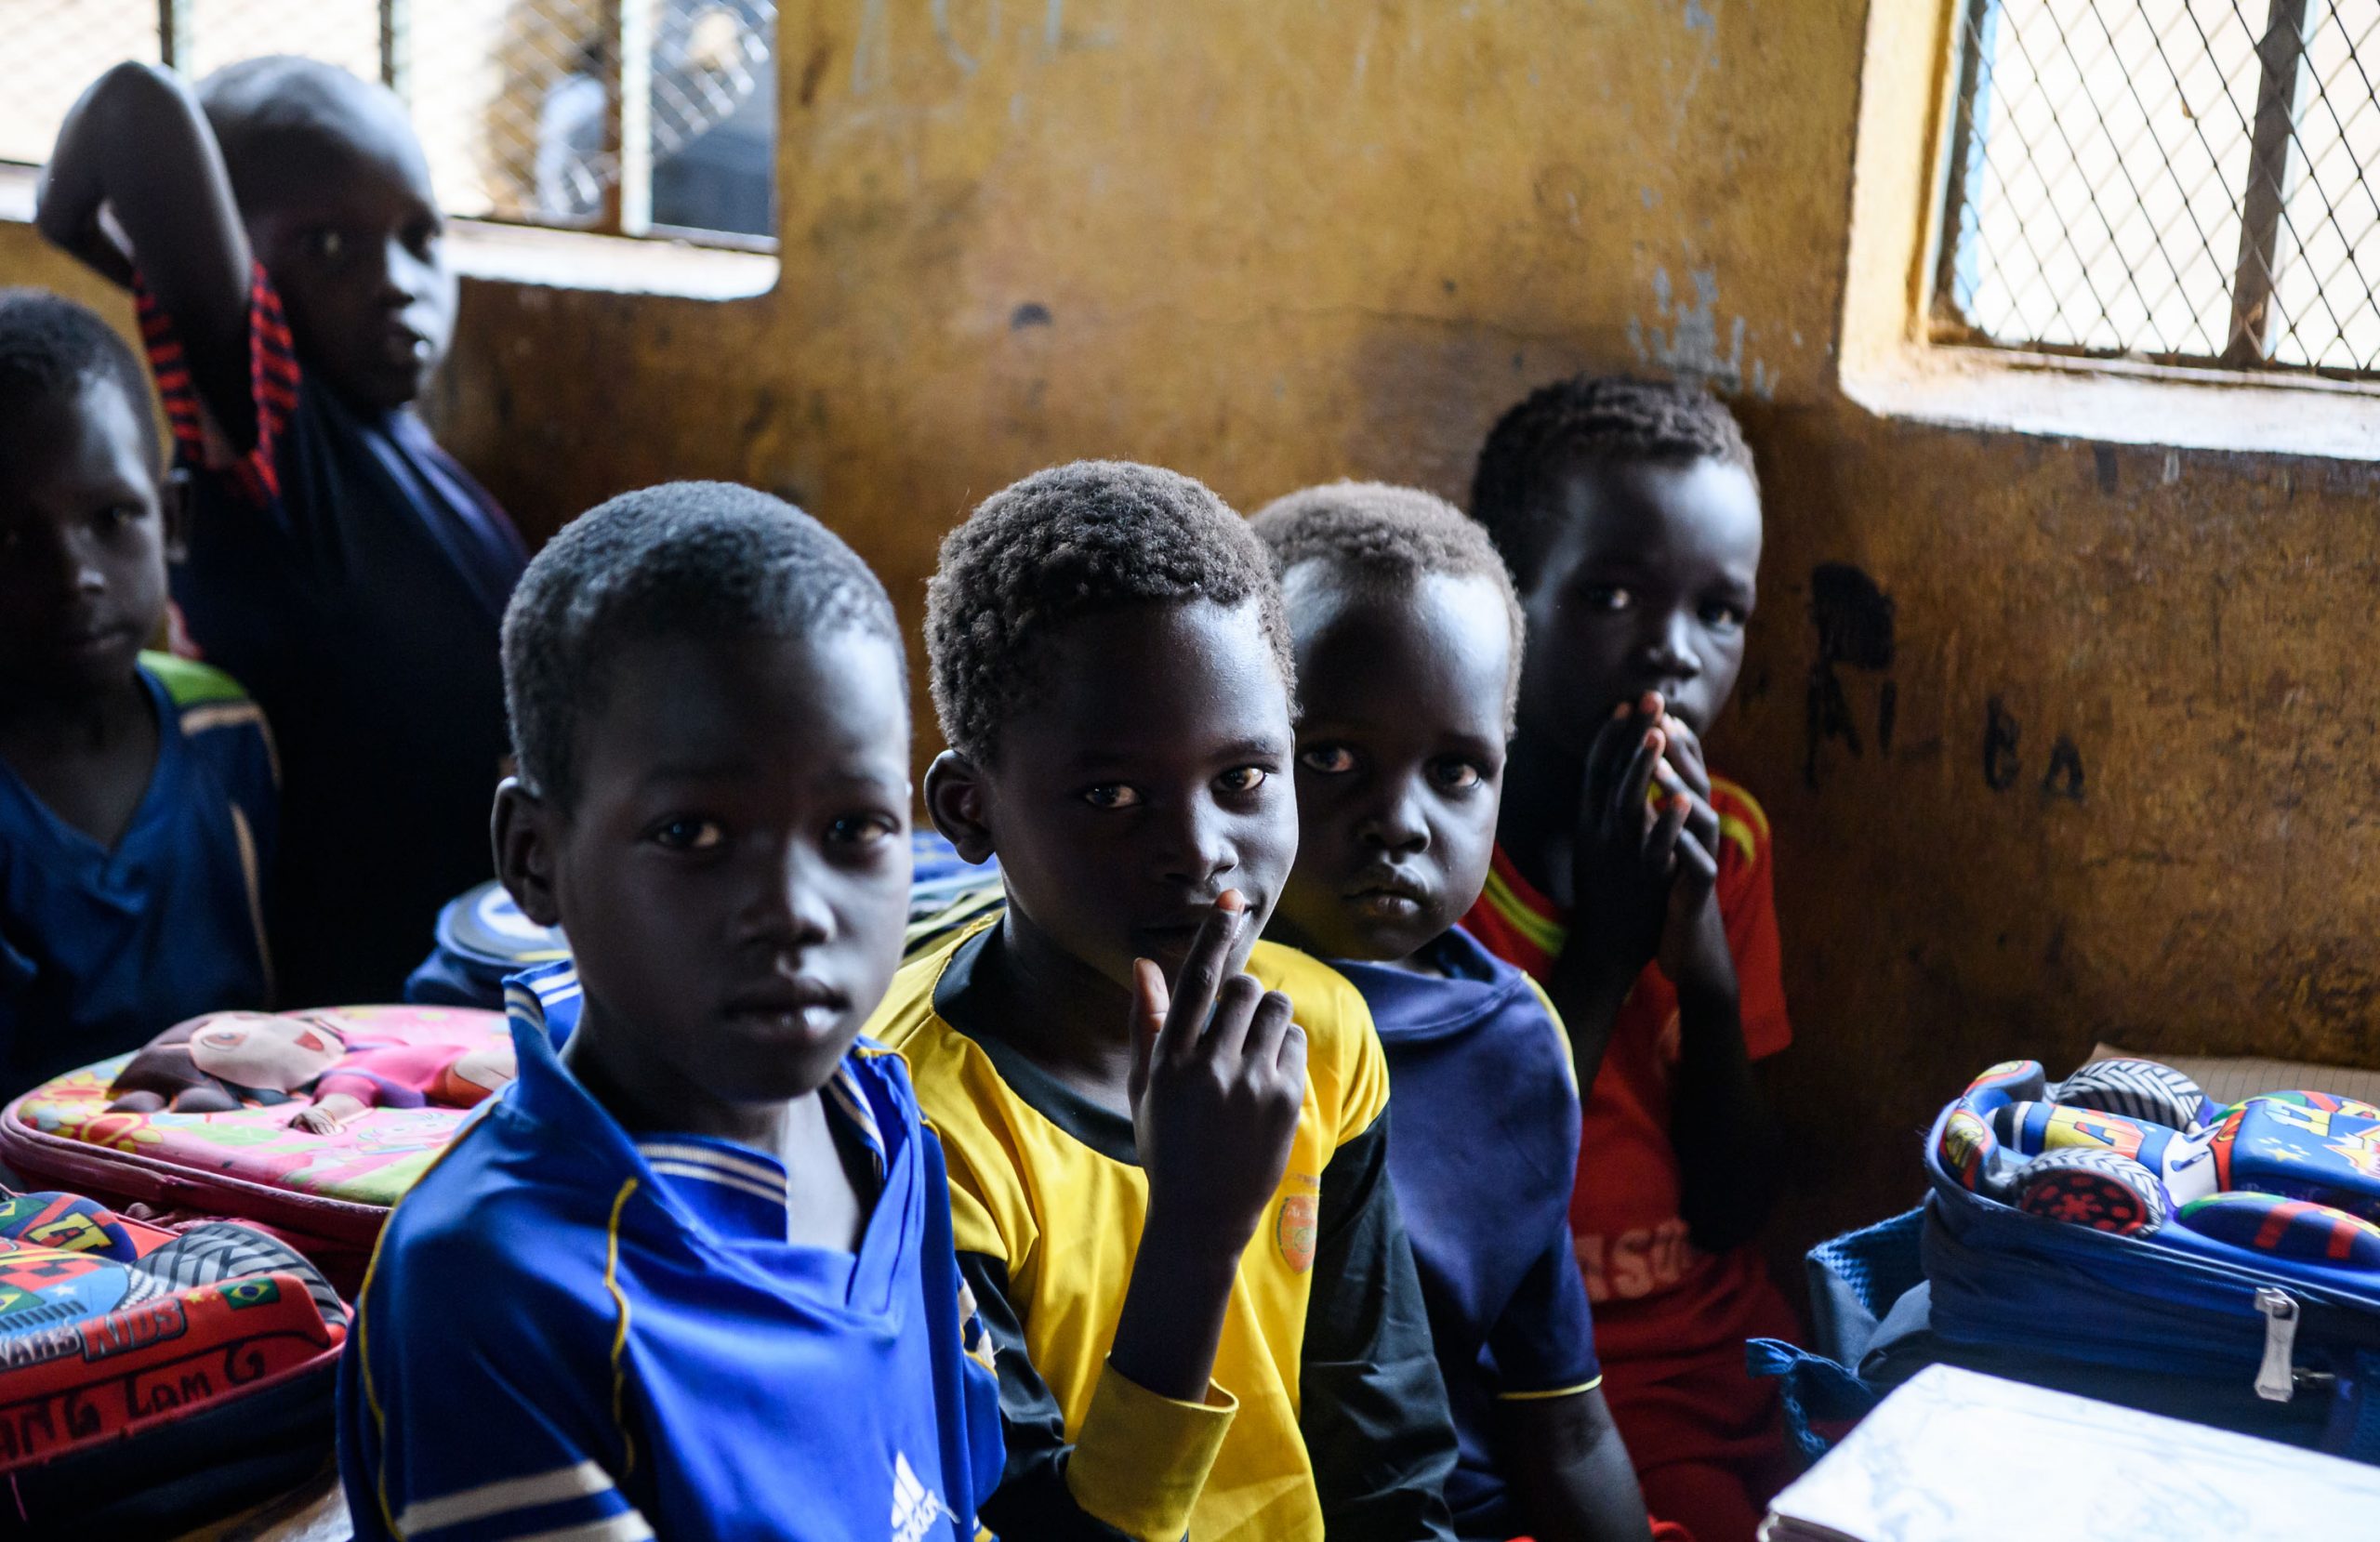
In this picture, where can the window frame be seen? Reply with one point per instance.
(1897, 358)
(2280, 57)
(627, 209)
(545, 257)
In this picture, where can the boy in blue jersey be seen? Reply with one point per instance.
(691, 1275)
(278, 227)
(1408, 643)
(137, 796)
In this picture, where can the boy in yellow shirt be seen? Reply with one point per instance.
(1166, 1139)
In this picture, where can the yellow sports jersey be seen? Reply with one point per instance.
(1326, 1401)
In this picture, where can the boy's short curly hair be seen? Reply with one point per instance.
(708, 560)
(1589, 418)
(51, 347)
(1384, 540)
(1069, 542)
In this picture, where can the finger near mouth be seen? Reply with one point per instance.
(1171, 943)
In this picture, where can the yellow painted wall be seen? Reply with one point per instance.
(1271, 242)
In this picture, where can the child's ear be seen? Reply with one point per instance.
(524, 830)
(956, 801)
(173, 504)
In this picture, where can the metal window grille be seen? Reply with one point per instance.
(630, 117)
(2176, 180)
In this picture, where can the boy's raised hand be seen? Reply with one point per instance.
(1625, 849)
(1694, 954)
(136, 176)
(1682, 756)
(1218, 1079)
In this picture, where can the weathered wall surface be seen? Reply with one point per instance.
(2126, 782)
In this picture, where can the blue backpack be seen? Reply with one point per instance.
(2051, 1249)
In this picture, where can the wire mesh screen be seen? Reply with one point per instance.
(2179, 180)
(49, 50)
(603, 114)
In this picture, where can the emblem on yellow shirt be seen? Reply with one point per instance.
(1294, 1231)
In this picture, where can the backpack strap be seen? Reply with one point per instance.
(1821, 1399)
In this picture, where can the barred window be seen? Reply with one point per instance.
(2174, 180)
(632, 118)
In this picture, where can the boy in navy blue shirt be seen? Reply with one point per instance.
(691, 1275)
(280, 229)
(137, 801)
(1409, 645)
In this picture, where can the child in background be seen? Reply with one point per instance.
(288, 254)
(1635, 886)
(1408, 653)
(691, 1275)
(137, 798)
(1178, 1227)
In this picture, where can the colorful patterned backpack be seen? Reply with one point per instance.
(151, 1379)
(2119, 1236)
(327, 1195)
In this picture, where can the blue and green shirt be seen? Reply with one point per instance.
(102, 949)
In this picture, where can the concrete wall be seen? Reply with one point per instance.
(2127, 782)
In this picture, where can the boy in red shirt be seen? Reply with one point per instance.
(1635, 886)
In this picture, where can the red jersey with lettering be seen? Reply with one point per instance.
(1657, 1298)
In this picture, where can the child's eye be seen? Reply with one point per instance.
(1726, 617)
(861, 830)
(1455, 775)
(1328, 759)
(1242, 779)
(690, 834)
(116, 518)
(1112, 795)
(1608, 596)
(327, 245)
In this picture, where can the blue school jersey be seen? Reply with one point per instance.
(99, 949)
(1482, 1156)
(566, 1332)
(353, 577)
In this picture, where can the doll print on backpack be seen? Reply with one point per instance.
(242, 1059)
(2133, 1147)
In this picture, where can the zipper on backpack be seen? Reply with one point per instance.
(2277, 1378)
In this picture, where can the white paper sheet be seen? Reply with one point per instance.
(1953, 1456)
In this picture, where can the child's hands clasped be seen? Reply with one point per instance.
(1215, 1098)
(1693, 952)
(1645, 852)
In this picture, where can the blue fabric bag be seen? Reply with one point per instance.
(2222, 1336)
(481, 937)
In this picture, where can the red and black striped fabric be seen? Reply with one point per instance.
(272, 385)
